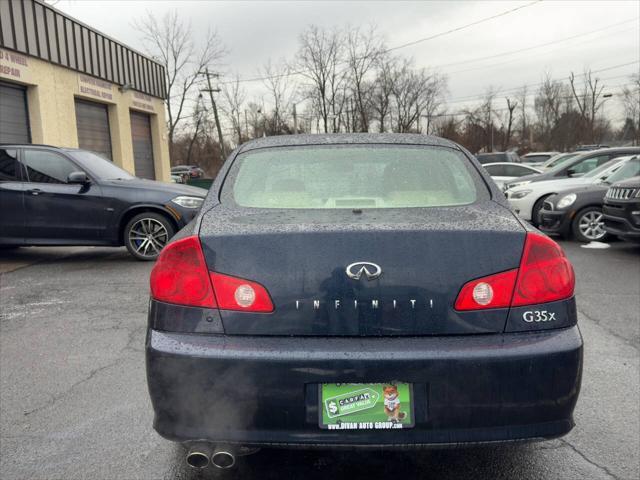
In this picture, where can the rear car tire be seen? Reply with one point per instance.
(588, 225)
(146, 234)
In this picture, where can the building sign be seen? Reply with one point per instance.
(142, 102)
(94, 87)
(14, 66)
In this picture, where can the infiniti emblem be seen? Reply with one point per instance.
(356, 269)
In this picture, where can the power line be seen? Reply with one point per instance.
(453, 30)
(530, 56)
(533, 47)
(512, 89)
(414, 42)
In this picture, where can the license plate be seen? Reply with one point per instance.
(366, 406)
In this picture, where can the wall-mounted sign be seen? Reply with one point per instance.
(142, 102)
(94, 87)
(14, 66)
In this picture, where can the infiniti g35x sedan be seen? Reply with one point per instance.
(65, 196)
(359, 290)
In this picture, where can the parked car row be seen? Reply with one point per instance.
(567, 197)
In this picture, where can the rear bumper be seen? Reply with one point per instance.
(264, 390)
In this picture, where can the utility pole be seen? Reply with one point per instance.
(295, 119)
(211, 91)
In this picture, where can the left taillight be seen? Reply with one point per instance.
(180, 276)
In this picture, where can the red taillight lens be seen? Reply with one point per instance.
(180, 275)
(238, 294)
(494, 291)
(545, 275)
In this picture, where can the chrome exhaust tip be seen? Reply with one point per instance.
(198, 455)
(223, 458)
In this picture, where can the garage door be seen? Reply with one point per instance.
(92, 120)
(142, 146)
(14, 119)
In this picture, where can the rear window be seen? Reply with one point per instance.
(535, 158)
(492, 157)
(352, 177)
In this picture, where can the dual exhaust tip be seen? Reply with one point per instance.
(201, 454)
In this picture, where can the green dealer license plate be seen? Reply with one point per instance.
(366, 406)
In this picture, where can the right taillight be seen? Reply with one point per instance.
(180, 276)
(545, 275)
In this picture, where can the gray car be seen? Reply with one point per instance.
(576, 166)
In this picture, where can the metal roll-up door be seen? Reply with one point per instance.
(142, 145)
(14, 117)
(92, 120)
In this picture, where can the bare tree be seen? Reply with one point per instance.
(198, 118)
(511, 107)
(383, 89)
(318, 59)
(631, 105)
(548, 106)
(281, 90)
(487, 113)
(433, 98)
(588, 99)
(234, 98)
(524, 118)
(363, 49)
(171, 41)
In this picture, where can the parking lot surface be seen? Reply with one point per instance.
(74, 403)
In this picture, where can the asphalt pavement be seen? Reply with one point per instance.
(74, 403)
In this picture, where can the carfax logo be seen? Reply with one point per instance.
(351, 402)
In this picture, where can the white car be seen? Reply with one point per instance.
(536, 159)
(503, 172)
(527, 199)
(557, 160)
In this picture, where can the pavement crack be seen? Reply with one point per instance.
(56, 398)
(588, 460)
(601, 325)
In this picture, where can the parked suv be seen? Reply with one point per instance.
(65, 196)
(622, 210)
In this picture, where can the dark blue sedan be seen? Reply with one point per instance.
(370, 290)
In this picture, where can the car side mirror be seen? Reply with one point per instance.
(78, 177)
(571, 172)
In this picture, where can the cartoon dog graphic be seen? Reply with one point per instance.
(392, 403)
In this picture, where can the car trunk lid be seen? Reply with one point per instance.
(425, 256)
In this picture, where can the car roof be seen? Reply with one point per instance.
(346, 139)
(541, 153)
(42, 146)
(524, 165)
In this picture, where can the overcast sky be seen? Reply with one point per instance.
(253, 32)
